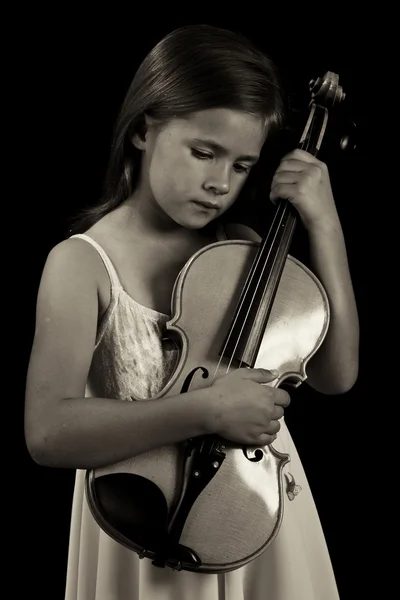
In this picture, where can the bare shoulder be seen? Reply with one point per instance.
(73, 257)
(241, 232)
(65, 332)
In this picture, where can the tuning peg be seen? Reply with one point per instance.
(348, 140)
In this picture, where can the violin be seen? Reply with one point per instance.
(210, 505)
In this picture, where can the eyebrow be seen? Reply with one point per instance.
(213, 145)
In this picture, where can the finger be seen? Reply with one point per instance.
(303, 156)
(259, 375)
(273, 427)
(278, 413)
(286, 191)
(285, 177)
(291, 164)
(265, 439)
(282, 398)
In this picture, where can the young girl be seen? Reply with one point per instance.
(201, 107)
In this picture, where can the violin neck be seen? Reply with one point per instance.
(246, 333)
(247, 329)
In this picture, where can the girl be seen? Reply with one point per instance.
(202, 106)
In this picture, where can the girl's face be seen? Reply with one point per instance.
(193, 168)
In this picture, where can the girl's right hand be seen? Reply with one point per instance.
(243, 410)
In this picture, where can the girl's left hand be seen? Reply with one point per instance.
(304, 181)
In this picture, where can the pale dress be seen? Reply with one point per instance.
(130, 358)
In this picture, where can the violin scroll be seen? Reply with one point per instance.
(326, 90)
(325, 93)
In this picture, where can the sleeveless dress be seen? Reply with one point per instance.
(130, 358)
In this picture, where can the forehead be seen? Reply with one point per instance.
(236, 131)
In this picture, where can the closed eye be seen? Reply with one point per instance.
(206, 156)
(242, 169)
(201, 155)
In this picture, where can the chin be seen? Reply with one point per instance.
(194, 227)
(193, 223)
(198, 226)
(191, 220)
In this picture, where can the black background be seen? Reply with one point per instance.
(74, 71)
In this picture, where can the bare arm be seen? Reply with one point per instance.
(62, 427)
(334, 368)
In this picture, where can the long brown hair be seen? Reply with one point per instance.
(193, 68)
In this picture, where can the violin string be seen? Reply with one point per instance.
(251, 277)
(305, 147)
(253, 299)
(241, 304)
(255, 292)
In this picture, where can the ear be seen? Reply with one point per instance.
(139, 137)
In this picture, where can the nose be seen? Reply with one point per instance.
(218, 182)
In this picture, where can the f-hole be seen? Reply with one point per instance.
(189, 378)
(258, 454)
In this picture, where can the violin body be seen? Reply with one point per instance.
(131, 500)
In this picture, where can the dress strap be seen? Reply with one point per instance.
(112, 273)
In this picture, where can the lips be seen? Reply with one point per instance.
(209, 205)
